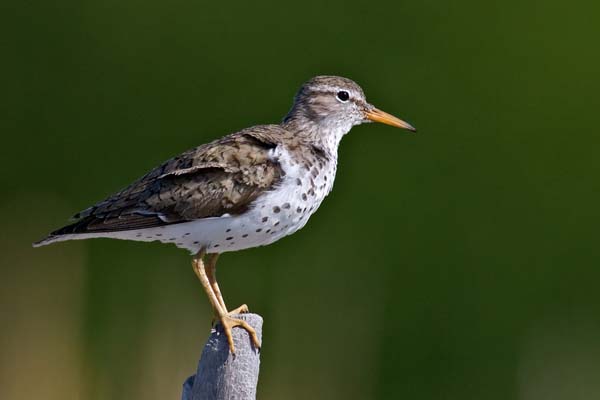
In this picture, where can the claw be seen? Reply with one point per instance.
(243, 309)
(229, 323)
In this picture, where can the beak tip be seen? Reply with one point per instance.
(376, 115)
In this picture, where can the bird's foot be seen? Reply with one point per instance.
(229, 323)
(243, 309)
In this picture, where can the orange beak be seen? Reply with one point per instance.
(377, 115)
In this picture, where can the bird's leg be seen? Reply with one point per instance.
(211, 272)
(226, 320)
(200, 271)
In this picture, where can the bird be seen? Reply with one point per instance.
(247, 189)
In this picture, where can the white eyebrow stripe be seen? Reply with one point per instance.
(334, 89)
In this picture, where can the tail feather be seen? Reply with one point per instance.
(75, 230)
(91, 226)
(51, 239)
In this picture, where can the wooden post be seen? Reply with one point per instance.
(222, 376)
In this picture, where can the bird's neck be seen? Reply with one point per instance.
(326, 134)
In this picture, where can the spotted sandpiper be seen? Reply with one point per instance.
(247, 189)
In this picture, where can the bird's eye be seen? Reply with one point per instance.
(342, 95)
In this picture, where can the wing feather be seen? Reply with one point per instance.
(222, 177)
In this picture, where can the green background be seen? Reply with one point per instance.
(458, 263)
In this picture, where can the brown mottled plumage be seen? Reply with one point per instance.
(221, 177)
(247, 189)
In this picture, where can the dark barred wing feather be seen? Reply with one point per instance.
(222, 177)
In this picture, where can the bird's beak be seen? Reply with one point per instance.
(376, 115)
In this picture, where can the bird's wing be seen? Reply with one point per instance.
(222, 177)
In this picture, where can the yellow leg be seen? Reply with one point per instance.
(200, 271)
(211, 272)
(226, 320)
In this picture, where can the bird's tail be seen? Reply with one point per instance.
(73, 231)
(52, 239)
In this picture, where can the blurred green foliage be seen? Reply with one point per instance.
(458, 263)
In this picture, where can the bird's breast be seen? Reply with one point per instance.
(307, 179)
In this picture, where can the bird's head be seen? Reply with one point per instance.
(336, 104)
